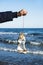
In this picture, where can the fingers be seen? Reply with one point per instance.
(23, 12)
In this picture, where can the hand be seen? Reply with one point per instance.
(22, 12)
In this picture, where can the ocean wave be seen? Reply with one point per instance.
(35, 34)
(8, 33)
(16, 42)
(6, 49)
(26, 33)
(14, 50)
(11, 33)
(36, 43)
(8, 41)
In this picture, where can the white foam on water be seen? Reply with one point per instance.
(36, 52)
(11, 33)
(35, 43)
(14, 50)
(8, 33)
(7, 49)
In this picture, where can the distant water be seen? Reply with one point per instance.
(33, 35)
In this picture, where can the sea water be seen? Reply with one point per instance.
(34, 38)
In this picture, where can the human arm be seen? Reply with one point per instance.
(9, 15)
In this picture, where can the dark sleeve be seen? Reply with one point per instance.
(7, 16)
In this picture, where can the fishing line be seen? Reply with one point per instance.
(23, 21)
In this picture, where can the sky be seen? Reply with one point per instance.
(33, 19)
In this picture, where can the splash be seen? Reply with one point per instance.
(14, 50)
